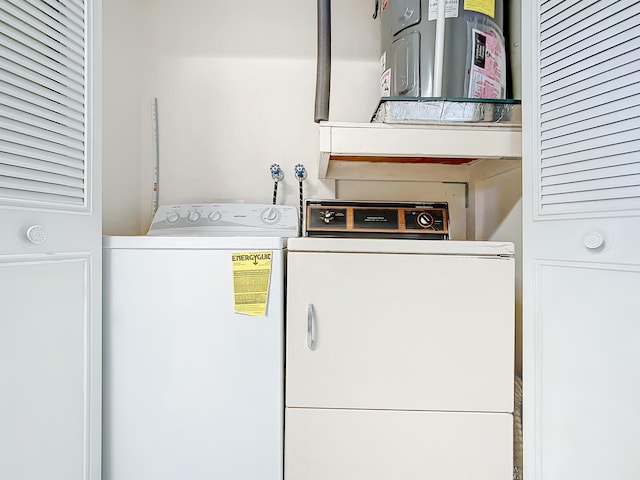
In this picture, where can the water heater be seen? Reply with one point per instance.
(475, 59)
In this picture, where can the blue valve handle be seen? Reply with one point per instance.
(300, 172)
(276, 172)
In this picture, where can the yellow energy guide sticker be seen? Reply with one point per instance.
(251, 276)
(488, 7)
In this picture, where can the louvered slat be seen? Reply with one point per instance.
(574, 164)
(594, 206)
(12, 102)
(35, 153)
(62, 13)
(49, 141)
(590, 107)
(599, 74)
(72, 7)
(14, 41)
(623, 180)
(557, 112)
(597, 142)
(555, 11)
(559, 21)
(41, 165)
(27, 35)
(44, 177)
(587, 132)
(31, 85)
(596, 154)
(619, 171)
(40, 74)
(593, 51)
(583, 37)
(42, 92)
(36, 98)
(594, 195)
(565, 125)
(26, 15)
(43, 200)
(20, 121)
(24, 184)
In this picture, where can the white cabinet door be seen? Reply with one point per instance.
(400, 331)
(382, 445)
(50, 244)
(581, 219)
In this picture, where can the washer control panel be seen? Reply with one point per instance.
(225, 219)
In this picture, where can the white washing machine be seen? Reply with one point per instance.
(193, 389)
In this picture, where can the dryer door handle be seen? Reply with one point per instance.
(311, 339)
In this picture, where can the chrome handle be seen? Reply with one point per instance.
(311, 341)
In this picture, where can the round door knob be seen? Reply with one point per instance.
(215, 216)
(173, 217)
(193, 217)
(36, 234)
(593, 240)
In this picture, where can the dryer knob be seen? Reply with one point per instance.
(193, 216)
(172, 217)
(424, 220)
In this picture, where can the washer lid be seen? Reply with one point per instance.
(194, 243)
(371, 245)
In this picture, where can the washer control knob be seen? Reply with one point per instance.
(271, 215)
(36, 234)
(424, 220)
(193, 216)
(215, 216)
(172, 217)
(593, 240)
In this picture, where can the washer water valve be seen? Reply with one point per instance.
(301, 174)
(277, 175)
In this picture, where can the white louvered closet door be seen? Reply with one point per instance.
(50, 240)
(581, 218)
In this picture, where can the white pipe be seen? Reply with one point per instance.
(155, 199)
(438, 66)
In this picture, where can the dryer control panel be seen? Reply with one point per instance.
(225, 219)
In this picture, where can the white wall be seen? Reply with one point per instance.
(498, 204)
(235, 83)
(123, 47)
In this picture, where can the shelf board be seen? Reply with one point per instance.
(456, 145)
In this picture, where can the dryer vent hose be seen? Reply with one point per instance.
(323, 69)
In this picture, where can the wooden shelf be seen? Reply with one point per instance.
(442, 146)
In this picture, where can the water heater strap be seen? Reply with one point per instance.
(439, 50)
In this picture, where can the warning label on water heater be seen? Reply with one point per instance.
(488, 7)
(251, 275)
(487, 75)
(450, 9)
